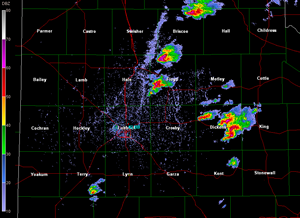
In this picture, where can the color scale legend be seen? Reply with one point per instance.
(3, 111)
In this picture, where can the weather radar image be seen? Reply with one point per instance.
(153, 109)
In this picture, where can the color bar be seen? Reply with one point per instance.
(3, 53)
(3, 140)
(3, 111)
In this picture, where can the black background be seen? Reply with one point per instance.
(195, 147)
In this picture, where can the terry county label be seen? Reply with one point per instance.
(172, 128)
